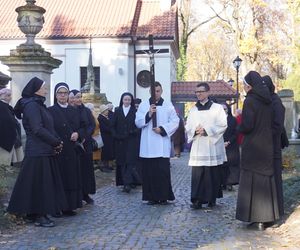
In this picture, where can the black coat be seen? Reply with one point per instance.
(278, 113)
(230, 135)
(8, 129)
(107, 153)
(257, 147)
(38, 125)
(89, 125)
(126, 136)
(66, 121)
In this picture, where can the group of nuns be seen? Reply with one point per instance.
(57, 172)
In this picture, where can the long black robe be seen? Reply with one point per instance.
(107, 153)
(231, 168)
(86, 159)
(257, 197)
(8, 132)
(126, 136)
(67, 121)
(206, 180)
(277, 130)
(38, 188)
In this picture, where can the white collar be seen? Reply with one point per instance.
(63, 105)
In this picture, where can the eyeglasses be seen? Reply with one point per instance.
(200, 91)
(62, 93)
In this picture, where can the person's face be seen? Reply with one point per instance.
(71, 100)
(7, 97)
(201, 93)
(158, 92)
(225, 109)
(77, 99)
(247, 88)
(126, 100)
(62, 95)
(43, 91)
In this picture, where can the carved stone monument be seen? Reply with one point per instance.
(29, 59)
(90, 92)
(287, 98)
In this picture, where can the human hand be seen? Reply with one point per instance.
(157, 130)
(152, 109)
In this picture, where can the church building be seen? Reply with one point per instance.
(114, 29)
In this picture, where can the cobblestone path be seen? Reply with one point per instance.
(122, 221)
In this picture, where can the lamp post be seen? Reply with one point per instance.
(237, 63)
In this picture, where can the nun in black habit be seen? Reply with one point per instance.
(8, 130)
(126, 136)
(231, 168)
(38, 190)
(67, 125)
(86, 158)
(257, 195)
(278, 113)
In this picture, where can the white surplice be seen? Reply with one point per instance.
(152, 144)
(207, 150)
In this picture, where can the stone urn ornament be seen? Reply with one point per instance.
(30, 21)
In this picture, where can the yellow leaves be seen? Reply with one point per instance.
(259, 3)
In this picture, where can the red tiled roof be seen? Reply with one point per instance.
(186, 90)
(96, 18)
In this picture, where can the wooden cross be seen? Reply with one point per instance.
(151, 51)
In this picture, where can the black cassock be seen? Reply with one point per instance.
(8, 128)
(67, 121)
(127, 137)
(231, 168)
(86, 159)
(257, 195)
(107, 153)
(278, 130)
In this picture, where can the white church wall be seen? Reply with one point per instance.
(115, 59)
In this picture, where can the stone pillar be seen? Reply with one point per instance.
(23, 68)
(287, 98)
(29, 59)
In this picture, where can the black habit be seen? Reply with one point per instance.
(8, 129)
(86, 159)
(67, 121)
(126, 136)
(107, 153)
(231, 168)
(38, 188)
(278, 114)
(257, 196)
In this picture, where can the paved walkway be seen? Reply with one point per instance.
(122, 221)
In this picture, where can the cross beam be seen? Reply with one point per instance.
(151, 52)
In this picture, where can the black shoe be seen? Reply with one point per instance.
(57, 215)
(69, 213)
(88, 199)
(196, 205)
(126, 189)
(152, 203)
(105, 169)
(30, 218)
(211, 204)
(44, 222)
(164, 202)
